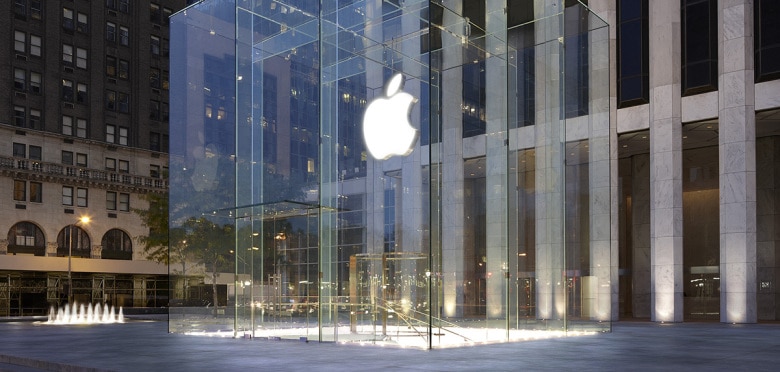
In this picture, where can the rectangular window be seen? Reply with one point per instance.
(67, 54)
(35, 45)
(123, 102)
(81, 159)
(155, 45)
(633, 61)
(124, 36)
(123, 136)
(67, 195)
(154, 13)
(167, 15)
(154, 110)
(124, 69)
(124, 6)
(111, 66)
(20, 190)
(110, 133)
(111, 200)
(20, 79)
(124, 202)
(67, 19)
(111, 32)
(164, 47)
(110, 100)
(154, 171)
(20, 9)
(36, 192)
(35, 119)
(20, 41)
(20, 150)
(165, 80)
(36, 9)
(154, 141)
(111, 164)
(67, 90)
(67, 125)
(766, 39)
(154, 77)
(81, 93)
(82, 23)
(164, 111)
(81, 128)
(20, 118)
(67, 157)
(81, 197)
(81, 58)
(36, 152)
(35, 82)
(124, 166)
(699, 27)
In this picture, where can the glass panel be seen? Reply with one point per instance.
(317, 213)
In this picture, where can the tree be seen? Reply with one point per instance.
(210, 244)
(155, 218)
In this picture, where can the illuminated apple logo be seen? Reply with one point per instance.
(386, 127)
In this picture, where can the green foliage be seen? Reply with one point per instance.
(156, 243)
(210, 243)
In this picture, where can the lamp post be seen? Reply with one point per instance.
(70, 254)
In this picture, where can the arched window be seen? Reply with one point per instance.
(26, 238)
(74, 241)
(117, 245)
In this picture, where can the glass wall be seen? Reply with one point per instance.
(477, 210)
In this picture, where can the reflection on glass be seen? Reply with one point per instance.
(289, 229)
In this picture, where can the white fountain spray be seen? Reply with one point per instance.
(85, 314)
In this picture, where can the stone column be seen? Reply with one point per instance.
(411, 212)
(549, 137)
(602, 188)
(496, 136)
(452, 203)
(737, 143)
(666, 222)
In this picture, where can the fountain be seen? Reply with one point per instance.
(85, 314)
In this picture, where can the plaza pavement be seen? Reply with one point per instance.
(146, 346)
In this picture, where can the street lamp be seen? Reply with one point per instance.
(70, 254)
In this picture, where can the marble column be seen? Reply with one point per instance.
(737, 143)
(666, 222)
(411, 223)
(452, 187)
(601, 49)
(496, 136)
(601, 187)
(549, 138)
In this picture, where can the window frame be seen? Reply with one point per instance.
(124, 202)
(111, 32)
(36, 192)
(111, 200)
(67, 54)
(20, 190)
(82, 197)
(67, 195)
